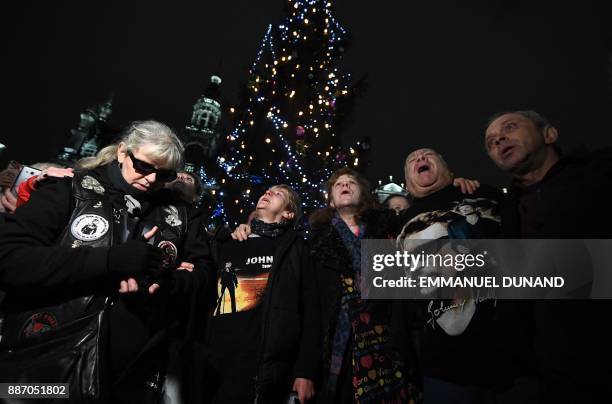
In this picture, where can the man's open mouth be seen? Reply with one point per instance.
(506, 151)
(422, 168)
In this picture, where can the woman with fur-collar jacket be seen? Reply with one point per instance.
(360, 363)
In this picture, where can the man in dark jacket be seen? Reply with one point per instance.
(264, 340)
(550, 197)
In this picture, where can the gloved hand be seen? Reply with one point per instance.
(133, 258)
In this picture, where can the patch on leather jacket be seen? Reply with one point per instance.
(89, 227)
(169, 253)
(172, 216)
(91, 183)
(38, 324)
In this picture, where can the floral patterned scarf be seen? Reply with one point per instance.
(377, 373)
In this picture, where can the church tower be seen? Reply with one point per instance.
(201, 135)
(90, 136)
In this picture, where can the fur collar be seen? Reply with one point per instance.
(327, 247)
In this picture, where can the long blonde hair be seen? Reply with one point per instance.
(167, 151)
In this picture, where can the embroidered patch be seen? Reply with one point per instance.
(76, 244)
(132, 205)
(89, 227)
(169, 253)
(89, 182)
(117, 215)
(172, 216)
(38, 323)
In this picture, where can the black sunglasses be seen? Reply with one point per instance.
(144, 168)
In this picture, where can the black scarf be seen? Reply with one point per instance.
(124, 195)
(271, 230)
(113, 171)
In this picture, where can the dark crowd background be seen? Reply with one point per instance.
(434, 70)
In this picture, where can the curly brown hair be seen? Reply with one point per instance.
(366, 201)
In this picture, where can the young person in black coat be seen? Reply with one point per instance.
(263, 336)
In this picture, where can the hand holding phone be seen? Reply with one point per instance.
(8, 175)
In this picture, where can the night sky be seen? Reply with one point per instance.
(435, 70)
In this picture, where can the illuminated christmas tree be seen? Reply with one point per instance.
(287, 130)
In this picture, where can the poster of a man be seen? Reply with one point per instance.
(90, 228)
(228, 281)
